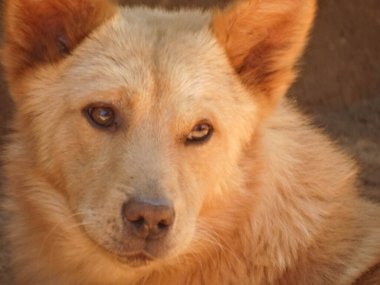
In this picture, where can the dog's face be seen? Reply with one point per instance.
(142, 124)
(147, 117)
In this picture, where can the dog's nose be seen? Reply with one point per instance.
(148, 220)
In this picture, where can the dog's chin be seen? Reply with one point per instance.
(136, 260)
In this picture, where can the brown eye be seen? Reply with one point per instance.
(103, 117)
(200, 133)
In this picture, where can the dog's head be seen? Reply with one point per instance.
(140, 118)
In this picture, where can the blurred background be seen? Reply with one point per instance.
(339, 85)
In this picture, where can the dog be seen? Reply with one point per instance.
(156, 147)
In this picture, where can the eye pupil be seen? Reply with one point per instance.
(101, 116)
(201, 130)
(200, 133)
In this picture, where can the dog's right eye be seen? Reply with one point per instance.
(101, 116)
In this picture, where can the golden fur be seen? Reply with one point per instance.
(267, 200)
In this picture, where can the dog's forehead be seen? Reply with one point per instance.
(150, 51)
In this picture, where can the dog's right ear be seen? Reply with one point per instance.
(45, 31)
(263, 40)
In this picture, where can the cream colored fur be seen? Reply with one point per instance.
(268, 200)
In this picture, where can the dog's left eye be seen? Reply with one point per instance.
(200, 133)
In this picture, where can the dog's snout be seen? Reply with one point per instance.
(148, 220)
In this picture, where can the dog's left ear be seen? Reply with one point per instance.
(263, 40)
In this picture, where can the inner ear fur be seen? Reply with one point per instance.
(44, 31)
(263, 40)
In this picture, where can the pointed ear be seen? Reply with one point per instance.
(43, 31)
(263, 40)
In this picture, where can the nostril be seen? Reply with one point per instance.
(163, 225)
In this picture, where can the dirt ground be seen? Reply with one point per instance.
(339, 85)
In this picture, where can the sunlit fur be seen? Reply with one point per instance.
(267, 200)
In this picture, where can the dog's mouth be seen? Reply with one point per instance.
(132, 252)
(136, 253)
(136, 259)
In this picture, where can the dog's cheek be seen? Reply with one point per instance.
(91, 181)
(203, 173)
(80, 157)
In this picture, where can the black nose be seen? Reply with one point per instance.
(148, 220)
